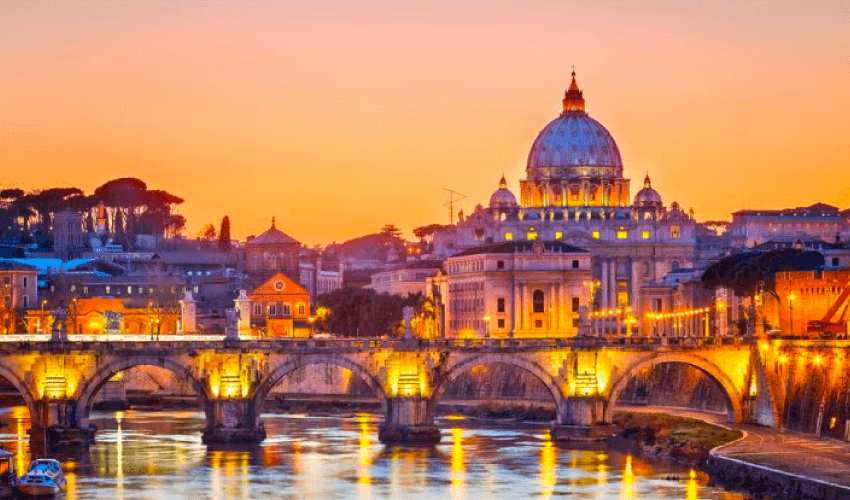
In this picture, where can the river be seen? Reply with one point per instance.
(159, 455)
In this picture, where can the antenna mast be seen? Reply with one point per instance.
(451, 203)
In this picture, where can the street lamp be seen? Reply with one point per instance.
(41, 318)
(486, 326)
(312, 320)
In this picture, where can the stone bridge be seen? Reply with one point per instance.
(585, 376)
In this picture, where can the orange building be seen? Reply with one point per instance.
(280, 307)
(100, 315)
(805, 296)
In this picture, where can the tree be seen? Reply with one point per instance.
(207, 233)
(224, 235)
(361, 312)
(390, 231)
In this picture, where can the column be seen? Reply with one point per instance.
(635, 282)
(233, 421)
(612, 283)
(604, 283)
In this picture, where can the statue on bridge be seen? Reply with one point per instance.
(407, 313)
(59, 333)
(232, 328)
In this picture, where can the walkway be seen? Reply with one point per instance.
(822, 460)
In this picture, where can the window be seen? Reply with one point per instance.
(258, 309)
(835, 261)
(675, 232)
(646, 269)
(538, 323)
(73, 288)
(674, 265)
(300, 308)
(622, 234)
(26, 301)
(575, 304)
(644, 234)
(107, 289)
(500, 304)
(595, 235)
(575, 264)
(85, 290)
(500, 264)
(537, 301)
(286, 309)
(559, 235)
(509, 236)
(272, 310)
(7, 280)
(25, 282)
(129, 290)
(531, 235)
(656, 305)
(501, 323)
(622, 298)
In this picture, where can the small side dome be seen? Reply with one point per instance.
(503, 197)
(647, 197)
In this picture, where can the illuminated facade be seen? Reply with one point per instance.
(280, 307)
(575, 192)
(514, 289)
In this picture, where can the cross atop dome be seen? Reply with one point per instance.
(573, 97)
(646, 182)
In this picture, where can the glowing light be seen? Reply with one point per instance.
(817, 360)
(783, 358)
(548, 461)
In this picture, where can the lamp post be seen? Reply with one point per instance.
(486, 326)
(312, 320)
(41, 318)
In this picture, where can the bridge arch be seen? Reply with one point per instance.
(13, 378)
(290, 365)
(734, 400)
(511, 359)
(93, 385)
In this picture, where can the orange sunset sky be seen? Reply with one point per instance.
(339, 117)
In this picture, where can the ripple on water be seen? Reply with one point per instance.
(158, 455)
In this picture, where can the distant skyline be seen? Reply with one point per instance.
(338, 118)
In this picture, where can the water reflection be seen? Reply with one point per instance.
(159, 455)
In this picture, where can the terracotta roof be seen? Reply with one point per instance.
(273, 236)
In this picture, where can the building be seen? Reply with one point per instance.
(69, 234)
(805, 296)
(818, 221)
(20, 292)
(319, 276)
(280, 307)
(271, 253)
(575, 192)
(406, 279)
(513, 289)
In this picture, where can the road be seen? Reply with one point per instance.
(798, 454)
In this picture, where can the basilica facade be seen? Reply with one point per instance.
(575, 193)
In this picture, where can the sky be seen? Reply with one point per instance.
(338, 117)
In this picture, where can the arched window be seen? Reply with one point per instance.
(537, 301)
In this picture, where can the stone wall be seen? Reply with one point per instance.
(673, 384)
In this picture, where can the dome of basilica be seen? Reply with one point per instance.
(647, 197)
(573, 140)
(503, 197)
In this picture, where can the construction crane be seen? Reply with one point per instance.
(828, 327)
(451, 203)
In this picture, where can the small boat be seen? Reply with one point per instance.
(44, 478)
(8, 478)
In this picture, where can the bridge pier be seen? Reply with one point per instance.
(582, 419)
(409, 420)
(54, 423)
(233, 421)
